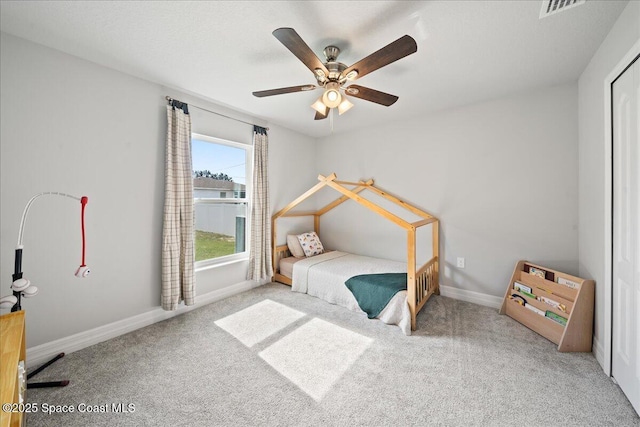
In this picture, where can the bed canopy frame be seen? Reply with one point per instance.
(422, 282)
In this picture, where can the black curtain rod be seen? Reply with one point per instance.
(168, 98)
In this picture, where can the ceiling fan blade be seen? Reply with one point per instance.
(400, 48)
(320, 116)
(291, 89)
(371, 95)
(300, 49)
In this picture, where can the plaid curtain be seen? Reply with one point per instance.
(260, 249)
(178, 280)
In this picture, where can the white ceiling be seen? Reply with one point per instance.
(468, 51)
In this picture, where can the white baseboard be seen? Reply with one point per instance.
(471, 296)
(598, 351)
(43, 352)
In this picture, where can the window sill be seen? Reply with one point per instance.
(220, 264)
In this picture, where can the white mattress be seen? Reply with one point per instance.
(324, 275)
(286, 266)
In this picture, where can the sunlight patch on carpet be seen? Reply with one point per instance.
(259, 321)
(316, 355)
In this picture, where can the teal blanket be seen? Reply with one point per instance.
(374, 291)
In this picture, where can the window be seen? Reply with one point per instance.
(221, 171)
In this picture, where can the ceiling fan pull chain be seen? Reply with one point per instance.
(331, 119)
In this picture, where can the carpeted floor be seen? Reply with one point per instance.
(236, 362)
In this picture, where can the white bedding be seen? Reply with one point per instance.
(323, 276)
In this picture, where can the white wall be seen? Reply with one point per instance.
(501, 176)
(621, 38)
(296, 165)
(73, 126)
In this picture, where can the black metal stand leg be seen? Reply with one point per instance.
(48, 383)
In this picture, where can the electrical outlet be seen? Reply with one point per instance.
(460, 262)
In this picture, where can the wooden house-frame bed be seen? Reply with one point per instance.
(422, 281)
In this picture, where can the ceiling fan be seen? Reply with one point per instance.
(332, 75)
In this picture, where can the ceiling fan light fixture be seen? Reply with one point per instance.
(331, 97)
(320, 107)
(344, 106)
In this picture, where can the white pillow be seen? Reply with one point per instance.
(294, 246)
(310, 243)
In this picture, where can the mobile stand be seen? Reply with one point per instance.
(17, 275)
(22, 287)
(61, 383)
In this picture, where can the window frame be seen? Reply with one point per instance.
(240, 256)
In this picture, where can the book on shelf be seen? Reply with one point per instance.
(569, 283)
(534, 309)
(539, 272)
(518, 299)
(520, 287)
(553, 303)
(555, 317)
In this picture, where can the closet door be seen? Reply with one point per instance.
(626, 234)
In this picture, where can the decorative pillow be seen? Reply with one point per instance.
(310, 243)
(294, 246)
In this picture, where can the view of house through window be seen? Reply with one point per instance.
(221, 170)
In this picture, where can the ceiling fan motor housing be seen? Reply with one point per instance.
(331, 53)
(334, 67)
(335, 71)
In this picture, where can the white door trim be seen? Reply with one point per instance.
(608, 203)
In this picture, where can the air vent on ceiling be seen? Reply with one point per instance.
(551, 7)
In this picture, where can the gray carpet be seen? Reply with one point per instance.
(465, 365)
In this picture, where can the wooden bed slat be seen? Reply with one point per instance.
(399, 202)
(423, 222)
(303, 197)
(412, 290)
(427, 265)
(370, 205)
(339, 201)
(290, 214)
(370, 182)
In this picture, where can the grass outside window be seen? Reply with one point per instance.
(213, 245)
